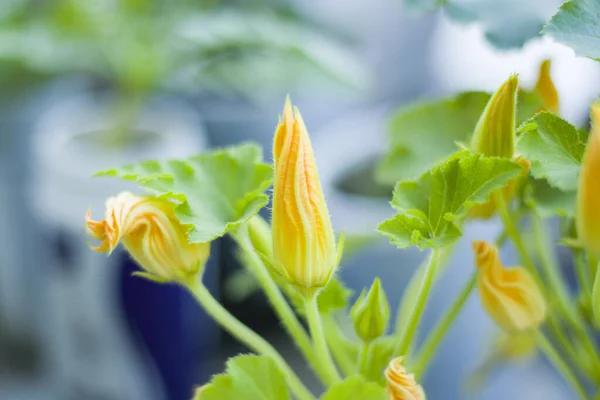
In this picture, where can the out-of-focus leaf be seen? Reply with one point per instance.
(576, 25)
(555, 149)
(247, 377)
(423, 134)
(506, 23)
(218, 191)
(429, 206)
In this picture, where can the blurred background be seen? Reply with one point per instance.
(91, 84)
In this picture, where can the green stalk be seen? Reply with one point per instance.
(409, 331)
(246, 336)
(515, 236)
(561, 366)
(558, 289)
(335, 339)
(281, 306)
(436, 337)
(320, 344)
(363, 358)
(583, 278)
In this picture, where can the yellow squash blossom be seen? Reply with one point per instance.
(151, 233)
(303, 241)
(510, 296)
(588, 192)
(400, 384)
(494, 136)
(546, 89)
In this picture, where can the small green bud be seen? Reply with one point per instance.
(494, 134)
(371, 312)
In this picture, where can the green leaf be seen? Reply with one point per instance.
(555, 149)
(550, 201)
(355, 388)
(424, 134)
(576, 25)
(247, 377)
(218, 191)
(429, 205)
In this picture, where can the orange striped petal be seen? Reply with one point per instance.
(510, 296)
(151, 233)
(303, 238)
(400, 384)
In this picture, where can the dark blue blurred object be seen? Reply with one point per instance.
(177, 334)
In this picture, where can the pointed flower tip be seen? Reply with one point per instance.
(595, 117)
(546, 89)
(494, 135)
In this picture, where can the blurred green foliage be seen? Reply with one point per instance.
(138, 46)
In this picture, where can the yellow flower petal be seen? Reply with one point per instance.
(400, 384)
(303, 239)
(510, 296)
(545, 87)
(588, 193)
(151, 233)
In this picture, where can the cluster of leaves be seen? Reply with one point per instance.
(256, 377)
(138, 46)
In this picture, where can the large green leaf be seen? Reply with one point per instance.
(555, 149)
(429, 206)
(576, 25)
(355, 388)
(218, 191)
(424, 134)
(506, 23)
(247, 377)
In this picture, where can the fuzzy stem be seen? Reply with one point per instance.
(247, 336)
(320, 344)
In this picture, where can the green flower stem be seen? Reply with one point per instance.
(281, 306)
(363, 358)
(515, 236)
(558, 289)
(559, 363)
(436, 337)
(410, 329)
(336, 339)
(320, 344)
(583, 278)
(246, 336)
(443, 255)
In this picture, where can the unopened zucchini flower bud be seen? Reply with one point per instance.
(151, 234)
(371, 313)
(588, 192)
(510, 296)
(546, 89)
(494, 134)
(304, 249)
(400, 384)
